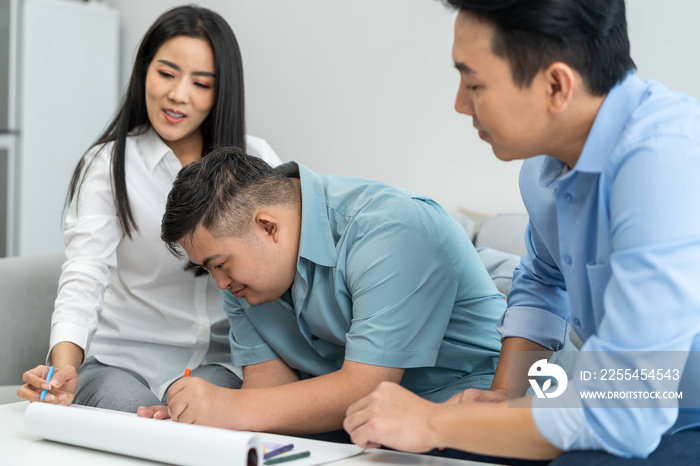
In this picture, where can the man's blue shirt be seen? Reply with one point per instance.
(384, 277)
(614, 249)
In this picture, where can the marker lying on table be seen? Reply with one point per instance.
(48, 379)
(282, 459)
(278, 450)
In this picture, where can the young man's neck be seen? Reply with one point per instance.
(571, 131)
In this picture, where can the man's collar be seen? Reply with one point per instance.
(316, 243)
(609, 124)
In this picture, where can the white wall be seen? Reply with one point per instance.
(68, 90)
(366, 87)
(665, 40)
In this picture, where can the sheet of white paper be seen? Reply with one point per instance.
(167, 441)
(128, 434)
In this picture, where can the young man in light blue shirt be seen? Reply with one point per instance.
(613, 245)
(332, 285)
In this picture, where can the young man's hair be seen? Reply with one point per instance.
(222, 192)
(588, 35)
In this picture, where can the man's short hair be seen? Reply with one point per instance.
(222, 192)
(588, 35)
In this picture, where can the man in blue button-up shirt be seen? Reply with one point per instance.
(613, 243)
(332, 285)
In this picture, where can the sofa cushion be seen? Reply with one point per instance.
(503, 232)
(28, 286)
(500, 266)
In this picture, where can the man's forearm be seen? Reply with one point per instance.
(268, 374)
(503, 429)
(313, 405)
(519, 384)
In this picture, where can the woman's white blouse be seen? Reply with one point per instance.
(128, 301)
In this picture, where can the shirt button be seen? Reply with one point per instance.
(567, 260)
(314, 337)
(203, 328)
(200, 302)
(577, 322)
(567, 197)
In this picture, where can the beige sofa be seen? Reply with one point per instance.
(27, 292)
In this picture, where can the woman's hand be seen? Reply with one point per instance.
(60, 389)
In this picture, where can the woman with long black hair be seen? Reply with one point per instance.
(129, 317)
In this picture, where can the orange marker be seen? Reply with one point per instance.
(187, 372)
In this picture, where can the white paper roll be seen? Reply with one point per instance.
(153, 439)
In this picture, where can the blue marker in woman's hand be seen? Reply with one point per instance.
(48, 379)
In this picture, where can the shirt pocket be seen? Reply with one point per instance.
(598, 279)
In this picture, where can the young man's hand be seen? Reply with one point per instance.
(195, 401)
(474, 395)
(392, 416)
(155, 412)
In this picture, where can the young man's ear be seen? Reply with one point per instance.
(268, 224)
(561, 81)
